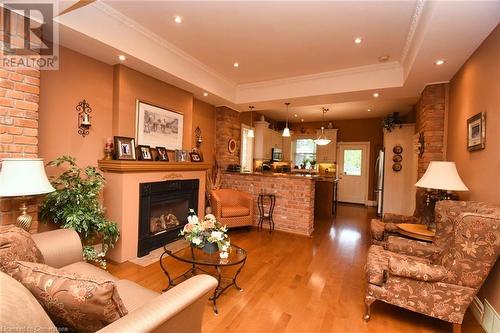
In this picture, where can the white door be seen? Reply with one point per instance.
(352, 171)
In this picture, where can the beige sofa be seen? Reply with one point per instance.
(179, 309)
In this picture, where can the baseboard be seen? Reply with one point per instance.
(371, 203)
(491, 319)
(485, 315)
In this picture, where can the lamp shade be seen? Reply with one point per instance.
(286, 132)
(23, 177)
(250, 133)
(442, 176)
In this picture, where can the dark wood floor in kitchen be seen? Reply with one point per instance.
(300, 284)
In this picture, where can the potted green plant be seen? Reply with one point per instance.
(391, 120)
(75, 204)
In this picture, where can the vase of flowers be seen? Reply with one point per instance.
(207, 234)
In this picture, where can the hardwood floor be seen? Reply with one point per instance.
(300, 284)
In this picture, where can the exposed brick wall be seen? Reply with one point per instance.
(294, 210)
(227, 126)
(19, 95)
(430, 118)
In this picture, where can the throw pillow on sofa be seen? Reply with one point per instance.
(16, 245)
(71, 300)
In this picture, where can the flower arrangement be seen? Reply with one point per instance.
(206, 233)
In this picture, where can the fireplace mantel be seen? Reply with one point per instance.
(149, 166)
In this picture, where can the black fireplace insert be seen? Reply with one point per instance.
(163, 211)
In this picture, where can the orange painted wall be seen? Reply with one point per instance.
(354, 131)
(79, 77)
(204, 117)
(130, 85)
(475, 88)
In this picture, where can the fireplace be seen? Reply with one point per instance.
(163, 211)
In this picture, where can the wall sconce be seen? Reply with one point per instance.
(83, 108)
(199, 138)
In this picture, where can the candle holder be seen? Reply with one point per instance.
(83, 108)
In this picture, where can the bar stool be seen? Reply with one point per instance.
(262, 212)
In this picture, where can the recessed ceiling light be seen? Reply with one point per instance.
(369, 110)
(205, 94)
(376, 95)
(295, 115)
(178, 19)
(121, 57)
(358, 40)
(439, 62)
(383, 58)
(302, 120)
(236, 65)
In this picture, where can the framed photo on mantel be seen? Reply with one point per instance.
(157, 126)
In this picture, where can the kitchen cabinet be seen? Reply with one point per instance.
(265, 140)
(327, 153)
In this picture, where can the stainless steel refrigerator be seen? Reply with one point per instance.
(379, 184)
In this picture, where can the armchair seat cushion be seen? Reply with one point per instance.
(377, 264)
(83, 268)
(133, 295)
(235, 211)
(410, 268)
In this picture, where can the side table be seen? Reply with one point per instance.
(262, 212)
(418, 231)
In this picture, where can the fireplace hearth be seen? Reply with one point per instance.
(163, 211)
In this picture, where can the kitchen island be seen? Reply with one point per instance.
(294, 210)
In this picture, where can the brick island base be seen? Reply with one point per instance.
(294, 211)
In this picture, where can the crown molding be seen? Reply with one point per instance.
(118, 16)
(415, 19)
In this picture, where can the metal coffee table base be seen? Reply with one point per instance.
(219, 290)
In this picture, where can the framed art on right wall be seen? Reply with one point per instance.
(476, 131)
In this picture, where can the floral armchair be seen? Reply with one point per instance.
(446, 213)
(444, 286)
(386, 226)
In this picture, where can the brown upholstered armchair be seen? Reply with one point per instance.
(232, 208)
(381, 228)
(445, 286)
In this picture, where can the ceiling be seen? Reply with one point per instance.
(297, 51)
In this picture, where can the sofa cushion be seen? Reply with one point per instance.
(19, 310)
(16, 245)
(88, 270)
(74, 301)
(134, 295)
(235, 211)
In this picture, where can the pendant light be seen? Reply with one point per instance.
(250, 131)
(322, 140)
(286, 131)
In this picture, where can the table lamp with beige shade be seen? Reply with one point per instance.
(443, 177)
(23, 177)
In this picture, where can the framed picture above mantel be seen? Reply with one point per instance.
(157, 126)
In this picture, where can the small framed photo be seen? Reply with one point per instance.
(195, 157)
(145, 153)
(181, 155)
(476, 132)
(162, 154)
(124, 148)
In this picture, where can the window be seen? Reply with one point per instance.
(246, 157)
(305, 152)
(352, 162)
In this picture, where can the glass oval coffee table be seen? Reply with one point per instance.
(200, 260)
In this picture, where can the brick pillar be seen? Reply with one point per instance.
(227, 126)
(431, 109)
(19, 94)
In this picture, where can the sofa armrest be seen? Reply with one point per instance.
(59, 247)
(398, 218)
(416, 270)
(180, 309)
(412, 247)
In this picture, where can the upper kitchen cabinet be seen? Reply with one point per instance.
(327, 153)
(265, 140)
